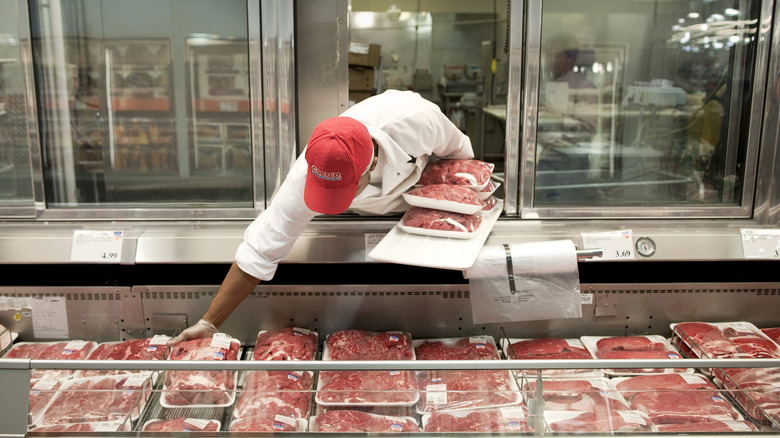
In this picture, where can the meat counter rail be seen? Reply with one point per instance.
(709, 377)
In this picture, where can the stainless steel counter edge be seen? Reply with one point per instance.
(340, 241)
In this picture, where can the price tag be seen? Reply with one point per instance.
(159, 340)
(614, 245)
(359, 48)
(436, 394)
(761, 244)
(197, 423)
(221, 340)
(285, 419)
(96, 246)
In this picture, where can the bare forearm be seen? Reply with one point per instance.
(236, 286)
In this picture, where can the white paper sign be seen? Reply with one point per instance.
(371, 241)
(614, 245)
(50, 317)
(96, 246)
(761, 244)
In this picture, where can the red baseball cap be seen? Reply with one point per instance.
(338, 154)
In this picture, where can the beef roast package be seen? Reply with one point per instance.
(510, 419)
(58, 350)
(134, 349)
(202, 388)
(181, 424)
(549, 349)
(290, 343)
(440, 223)
(269, 423)
(447, 197)
(465, 348)
(633, 347)
(358, 421)
(470, 173)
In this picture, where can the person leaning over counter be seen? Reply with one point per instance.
(362, 160)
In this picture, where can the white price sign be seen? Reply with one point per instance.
(614, 245)
(97, 246)
(761, 244)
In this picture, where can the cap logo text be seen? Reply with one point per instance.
(330, 176)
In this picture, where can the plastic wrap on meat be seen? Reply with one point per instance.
(95, 426)
(465, 389)
(182, 425)
(725, 340)
(629, 343)
(267, 423)
(708, 426)
(773, 333)
(367, 387)
(367, 345)
(186, 388)
(447, 197)
(357, 421)
(285, 393)
(41, 393)
(134, 349)
(582, 395)
(457, 349)
(474, 173)
(484, 420)
(64, 350)
(633, 347)
(430, 219)
(757, 390)
(599, 421)
(285, 344)
(107, 398)
(550, 349)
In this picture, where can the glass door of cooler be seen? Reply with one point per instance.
(146, 104)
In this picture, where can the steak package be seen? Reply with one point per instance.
(61, 350)
(447, 197)
(133, 349)
(181, 424)
(510, 419)
(598, 421)
(269, 423)
(92, 399)
(471, 173)
(467, 348)
(633, 347)
(202, 388)
(358, 421)
(290, 343)
(549, 349)
(96, 426)
(42, 391)
(367, 345)
(724, 340)
(449, 390)
(440, 223)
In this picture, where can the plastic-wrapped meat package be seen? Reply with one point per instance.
(549, 349)
(41, 393)
(708, 426)
(95, 426)
(357, 421)
(513, 419)
(488, 190)
(470, 173)
(467, 348)
(466, 389)
(181, 424)
(490, 202)
(201, 388)
(346, 388)
(724, 340)
(63, 350)
(427, 221)
(268, 423)
(366, 345)
(676, 398)
(757, 390)
(633, 347)
(286, 393)
(108, 398)
(133, 349)
(290, 343)
(447, 197)
(773, 333)
(598, 421)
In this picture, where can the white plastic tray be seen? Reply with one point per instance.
(435, 252)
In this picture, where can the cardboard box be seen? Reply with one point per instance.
(361, 78)
(357, 96)
(364, 54)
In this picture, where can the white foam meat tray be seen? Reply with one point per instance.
(405, 248)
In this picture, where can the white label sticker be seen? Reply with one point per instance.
(738, 426)
(159, 340)
(75, 345)
(512, 412)
(478, 340)
(574, 343)
(632, 417)
(285, 419)
(197, 423)
(135, 380)
(436, 394)
(586, 299)
(359, 48)
(761, 244)
(97, 246)
(692, 379)
(371, 241)
(107, 427)
(45, 384)
(221, 340)
(614, 245)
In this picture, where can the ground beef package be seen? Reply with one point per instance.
(441, 223)
(471, 173)
(447, 197)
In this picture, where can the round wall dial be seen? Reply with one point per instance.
(645, 246)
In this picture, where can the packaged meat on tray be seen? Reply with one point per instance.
(214, 388)
(549, 349)
(42, 391)
(509, 419)
(367, 345)
(350, 388)
(358, 421)
(600, 422)
(181, 424)
(60, 350)
(104, 398)
(447, 197)
(677, 398)
(269, 423)
(756, 391)
(471, 173)
(466, 348)
(633, 347)
(134, 349)
(286, 393)
(449, 390)
(290, 343)
(95, 426)
(440, 223)
(488, 190)
(711, 426)
(723, 340)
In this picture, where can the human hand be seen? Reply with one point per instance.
(201, 329)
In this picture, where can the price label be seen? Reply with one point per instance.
(97, 246)
(614, 245)
(761, 244)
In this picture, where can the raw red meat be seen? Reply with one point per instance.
(738, 340)
(665, 407)
(457, 172)
(757, 390)
(456, 349)
(366, 387)
(602, 421)
(708, 426)
(134, 349)
(356, 421)
(184, 388)
(182, 424)
(64, 350)
(448, 192)
(285, 344)
(465, 389)
(430, 219)
(485, 420)
(266, 393)
(41, 392)
(628, 343)
(541, 347)
(773, 333)
(366, 345)
(634, 347)
(265, 423)
(580, 395)
(84, 427)
(671, 381)
(649, 354)
(489, 204)
(97, 399)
